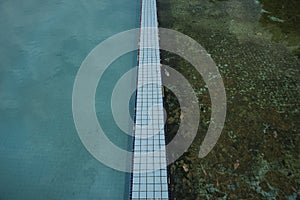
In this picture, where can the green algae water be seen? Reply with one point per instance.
(42, 45)
(255, 45)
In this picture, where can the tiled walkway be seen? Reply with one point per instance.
(149, 179)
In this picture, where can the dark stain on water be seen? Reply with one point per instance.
(255, 46)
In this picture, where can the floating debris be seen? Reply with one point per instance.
(185, 167)
(236, 165)
(275, 19)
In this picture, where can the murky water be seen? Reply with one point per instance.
(256, 48)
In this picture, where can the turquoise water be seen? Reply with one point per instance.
(42, 44)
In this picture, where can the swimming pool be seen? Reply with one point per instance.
(42, 46)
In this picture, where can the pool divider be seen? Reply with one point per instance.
(149, 162)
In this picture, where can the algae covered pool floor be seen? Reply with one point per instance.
(256, 48)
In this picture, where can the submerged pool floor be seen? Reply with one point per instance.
(257, 155)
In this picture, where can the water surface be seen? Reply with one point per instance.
(42, 44)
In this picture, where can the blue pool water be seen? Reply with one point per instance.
(42, 44)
